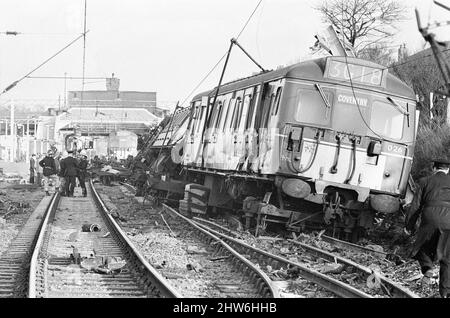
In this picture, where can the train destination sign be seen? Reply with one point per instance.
(352, 100)
(360, 74)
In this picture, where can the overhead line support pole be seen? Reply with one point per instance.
(442, 65)
(208, 116)
(249, 56)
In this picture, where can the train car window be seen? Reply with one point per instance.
(277, 102)
(237, 113)
(214, 114)
(191, 117)
(245, 111)
(200, 118)
(311, 108)
(251, 110)
(268, 109)
(230, 111)
(259, 106)
(386, 120)
(215, 124)
(222, 114)
(194, 119)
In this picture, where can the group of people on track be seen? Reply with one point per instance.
(62, 171)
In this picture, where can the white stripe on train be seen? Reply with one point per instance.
(357, 149)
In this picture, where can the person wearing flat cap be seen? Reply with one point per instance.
(431, 203)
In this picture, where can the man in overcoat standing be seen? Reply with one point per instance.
(70, 167)
(49, 170)
(432, 204)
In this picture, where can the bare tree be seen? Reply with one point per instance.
(363, 22)
(377, 53)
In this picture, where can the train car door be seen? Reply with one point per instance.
(198, 136)
(251, 140)
(220, 132)
(263, 89)
(240, 149)
(188, 142)
(226, 141)
(211, 133)
(196, 133)
(269, 134)
(232, 143)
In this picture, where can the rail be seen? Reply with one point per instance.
(260, 279)
(339, 288)
(37, 247)
(152, 278)
(151, 281)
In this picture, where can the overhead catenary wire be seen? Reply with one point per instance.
(257, 32)
(36, 33)
(352, 86)
(415, 59)
(42, 64)
(356, 100)
(68, 77)
(223, 56)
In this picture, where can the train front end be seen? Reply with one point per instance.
(347, 141)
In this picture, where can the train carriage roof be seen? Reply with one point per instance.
(170, 127)
(312, 70)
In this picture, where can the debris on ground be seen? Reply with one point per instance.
(103, 265)
(91, 227)
(374, 281)
(332, 268)
(193, 249)
(16, 207)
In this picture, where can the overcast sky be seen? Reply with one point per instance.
(166, 46)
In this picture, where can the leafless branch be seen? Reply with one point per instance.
(362, 19)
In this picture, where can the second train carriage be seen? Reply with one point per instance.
(335, 131)
(162, 156)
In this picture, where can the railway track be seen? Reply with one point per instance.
(62, 246)
(265, 259)
(203, 261)
(14, 263)
(230, 274)
(331, 282)
(388, 288)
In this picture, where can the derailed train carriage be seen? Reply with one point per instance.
(328, 140)
(161, 157)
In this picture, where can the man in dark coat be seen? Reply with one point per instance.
(49, 171)
(70, 167)
(432, 203)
